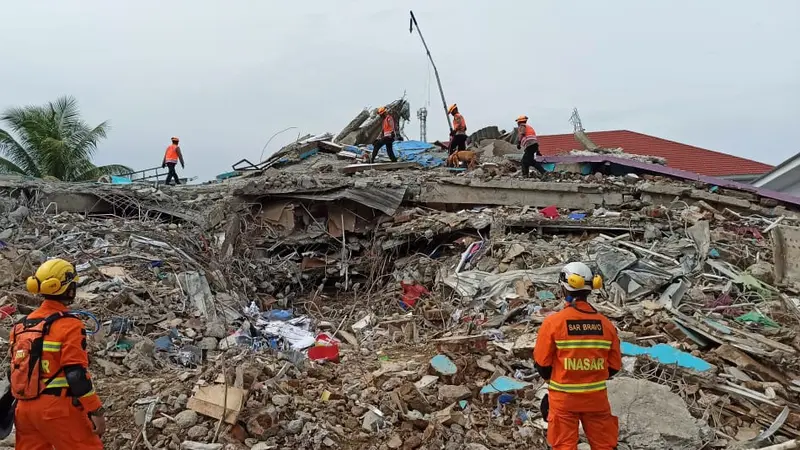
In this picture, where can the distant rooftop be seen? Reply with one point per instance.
(678, 155)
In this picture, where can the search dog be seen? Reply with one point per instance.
(466, 156)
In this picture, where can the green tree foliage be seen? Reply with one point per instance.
(52, 140)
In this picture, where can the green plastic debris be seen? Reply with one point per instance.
(124, 345)
(758, 318)
(546, 295)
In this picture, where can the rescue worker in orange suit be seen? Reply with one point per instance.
(576, 351)
(458, 135)
(528, 141)
(171, 158)
(57, 407)
(387, 136)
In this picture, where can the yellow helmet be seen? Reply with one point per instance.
(52, 278)
(381, 110)
(452, 108)
(522, 119)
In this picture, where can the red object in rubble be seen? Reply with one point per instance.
(324, 353)
(551, 212)
(7, 311)
(412, 293)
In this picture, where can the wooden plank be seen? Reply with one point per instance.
(209, 401)
(745, 362)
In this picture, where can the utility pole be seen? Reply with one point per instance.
(411, 25)
(422, 115)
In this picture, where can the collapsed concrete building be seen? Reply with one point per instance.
(315, 302)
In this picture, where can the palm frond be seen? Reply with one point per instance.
(97, 172)
(17, 154)
(53, 140)
(7, 166)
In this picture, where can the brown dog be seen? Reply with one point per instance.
(465, 156)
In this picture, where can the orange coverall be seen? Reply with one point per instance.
(54, 422)
(581, 347)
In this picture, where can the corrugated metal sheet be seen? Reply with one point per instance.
(683, 174)
(386, 200)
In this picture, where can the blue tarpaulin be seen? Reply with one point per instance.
(411, 151)
(665, 354)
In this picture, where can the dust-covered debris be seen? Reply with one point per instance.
(295, 306)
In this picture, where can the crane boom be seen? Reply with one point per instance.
(411, 25)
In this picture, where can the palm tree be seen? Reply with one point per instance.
(52, 141)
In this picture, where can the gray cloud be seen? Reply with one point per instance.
(224, 76)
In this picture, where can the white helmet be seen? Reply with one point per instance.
(577, 276)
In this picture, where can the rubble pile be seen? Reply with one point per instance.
(305, 306)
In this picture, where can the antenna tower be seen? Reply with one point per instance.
(422, 115)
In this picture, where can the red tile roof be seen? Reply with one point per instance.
(679, 156)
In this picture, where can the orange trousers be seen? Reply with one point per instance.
(53, 423)
(601, 428)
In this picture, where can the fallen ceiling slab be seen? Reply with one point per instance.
(386, 200)
(677, 173)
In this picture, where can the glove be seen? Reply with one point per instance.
(544, 407)
(519, 146)
(163, 166)
(452, 133)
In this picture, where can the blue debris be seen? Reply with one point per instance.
(308, 154)
(226, 175)
(504, 384)
(120, 180)
(665, 354)
(444, 365)
(549, 167)
(463, 404)
(277, 314)
(577, 216)
(505, 399)
(163, 344)
(713, 253)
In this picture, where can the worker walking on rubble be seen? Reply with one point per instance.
(171, 158)
(527, 139)
(57, 407)
(576, 351)
(387, 136)
(458, 135)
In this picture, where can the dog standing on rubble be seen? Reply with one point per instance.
(466, 156)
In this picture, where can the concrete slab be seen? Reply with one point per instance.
(353, 168)
(519, 193)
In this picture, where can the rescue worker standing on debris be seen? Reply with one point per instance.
(57, 407)
(527, 139)
(576, 351)
(458, 135)
(171, 158)
(387, 136)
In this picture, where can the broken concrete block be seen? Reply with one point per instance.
(451, 393)
(426, 381)
(372, 422)
(651, 416)
(191, 445)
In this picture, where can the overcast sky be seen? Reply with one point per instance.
(226, 75)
